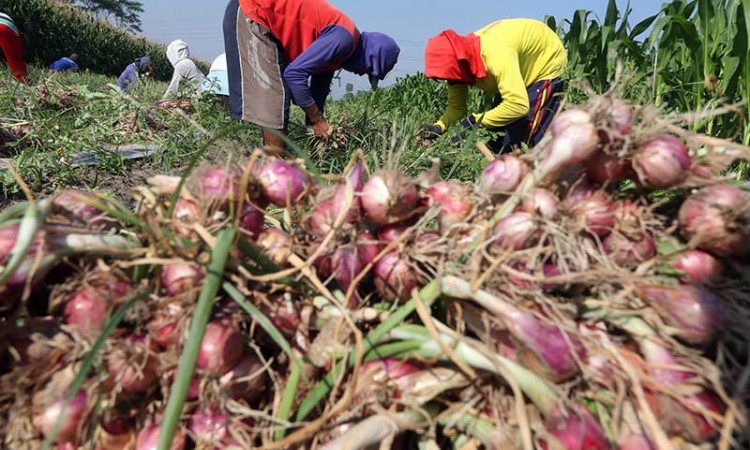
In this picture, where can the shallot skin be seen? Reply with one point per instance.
(389, 197)
(697, 314)
(716, 220)
(394, 279)
(283, 183)
(503, 175)
(217, 184)
(661, 162)
(575, 430)
(220, 349)
(74, 413)
(545, 348)
(149, 436)
(697, 267)
(542, 202)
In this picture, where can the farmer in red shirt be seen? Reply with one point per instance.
(12, 47)
(288, 50)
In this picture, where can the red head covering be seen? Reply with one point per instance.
(456, 58)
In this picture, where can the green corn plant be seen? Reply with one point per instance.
(693, 59)
(701, 61)
(594, 46)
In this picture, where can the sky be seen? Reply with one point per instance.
(410, 22)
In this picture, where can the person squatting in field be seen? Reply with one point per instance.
(65, 64)
(518, 60)
(141, 67)
(12, 46)
(178, 54)
(282, 50)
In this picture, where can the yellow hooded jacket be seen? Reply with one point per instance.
(516, 54)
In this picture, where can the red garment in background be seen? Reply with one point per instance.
(452, 57)
(12, 46)
(297, 23)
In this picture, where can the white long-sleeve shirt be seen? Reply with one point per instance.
(178, 54)
(185, 69)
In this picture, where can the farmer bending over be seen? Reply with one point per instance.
(142, 67)
(282, 50)
(519, 60)
(12, 46)
(65, 64)
(178, 54)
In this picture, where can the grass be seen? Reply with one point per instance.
(61, 115)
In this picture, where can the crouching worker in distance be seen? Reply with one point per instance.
(519, 60)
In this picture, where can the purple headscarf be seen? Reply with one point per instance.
(375, 56)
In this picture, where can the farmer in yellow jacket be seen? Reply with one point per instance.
(519, 60)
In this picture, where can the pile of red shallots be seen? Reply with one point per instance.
(591, 293)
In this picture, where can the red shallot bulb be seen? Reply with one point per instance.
(503, 175)
(390, 233)
(389, 197)
(182, 277)
(194, 388)
(88, 307)
(351, 187)
(185, 213)
(661, 162)
(716, 219)
(221, 348)
(368, 247)
(697, 314)
(247, 380)
(276, 243)
(620, 117)
(540, 201)
(576, 430)
(574, 144)
(133, 368)
(75, 204)
(594, 211)
(115, 434)
(569, 118)
(697, 267)
(73, 415)
(217, 184)
(283, 313)
(516, 231)
(87, 310)
(208, 425)
(321, 219)
(283, 183)
(627, 252)
(687, 417)
(323, 266)
(166, 325)
(381, 372)
(251, 221)
(149, 437)
(346, 266)
(394, 277)
(605, 168)
(543, 347)
(453, 200)
(8, 237)
(636, 442)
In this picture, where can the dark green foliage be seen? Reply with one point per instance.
(126, 13)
